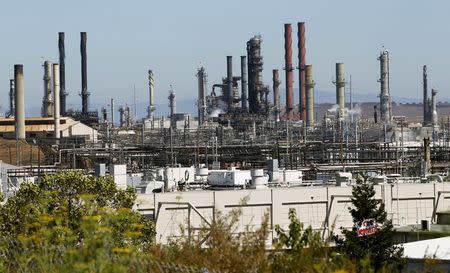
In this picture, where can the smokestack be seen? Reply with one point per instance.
(84, 91)
(229, 95)
(201, 104)
(434, 116)
(276, 93)
(309, 84)
(244, 84)
(112, 112)
(47, 100)
(172, 105)
(56, 91)
(289, 71)
(19, 101)
(62, 73)
(12, 104)
(340, 88)
(426, 112)
(301, 68)
(151, 86)
(385, 96)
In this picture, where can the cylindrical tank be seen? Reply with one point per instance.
(309, 84)
(19, 101)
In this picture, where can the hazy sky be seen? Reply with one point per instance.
(126, 38)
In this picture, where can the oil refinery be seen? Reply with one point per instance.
(243, 143)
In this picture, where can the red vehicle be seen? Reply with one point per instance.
(366, 227)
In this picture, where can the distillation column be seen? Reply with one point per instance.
(12, 104)
(289, 71)
(112, 112)
(301, 69)
(151, 87)
(244, 84)
(172, 105)
(434, 115)
(276, 93)
(48, 100)
(201, 103)
(19, 101)
(309, 84)
(62, 73)
(340, 89)
(229, 92)
(84, 90)
(56, 92)
(385, 95)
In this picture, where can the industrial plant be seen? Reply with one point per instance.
(244, 142)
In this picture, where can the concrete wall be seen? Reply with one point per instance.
(324, 208)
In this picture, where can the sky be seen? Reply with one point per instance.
(175, 37)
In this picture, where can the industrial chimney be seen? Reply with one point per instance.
(289, 71)
(301, 69)
(84, 90)
(309, 84)
(19, 101)
(62, 73)
(56, 92)
(340, 88)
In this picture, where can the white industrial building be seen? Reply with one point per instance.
(38, 127)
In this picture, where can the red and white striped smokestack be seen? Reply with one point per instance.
(301, 69)
(289, 71)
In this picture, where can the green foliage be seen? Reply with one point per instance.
(71, 222)
(378, 248)
(302, 250)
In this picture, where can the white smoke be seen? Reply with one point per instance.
(216, 112)
(333, 109)
(356, 111)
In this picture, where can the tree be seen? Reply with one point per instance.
(377, 248)
(67, 220)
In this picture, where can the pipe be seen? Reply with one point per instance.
(47, 100)
(84, 91)
(276, 93)
(12, 104)
(19, 115)
(62, 73)
(434, 120)
(151, 87)
(289, 71)
(112, 112)
(309, 84)
(244, 84)
(229, 93)
(340, 88)
(56, 110)
(301, 68)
